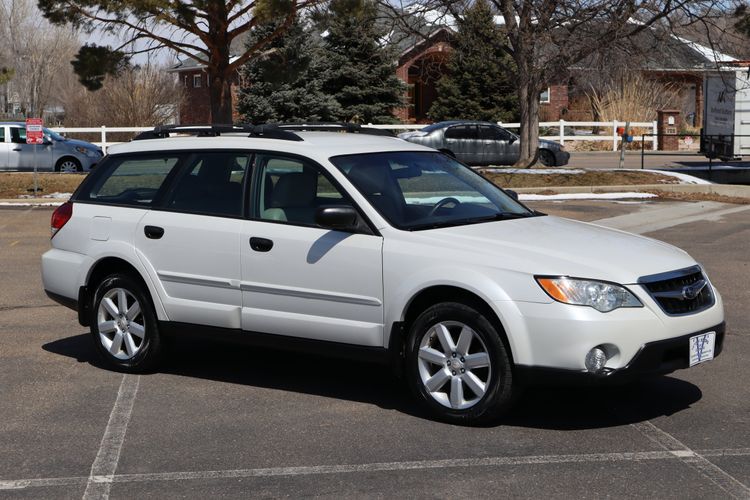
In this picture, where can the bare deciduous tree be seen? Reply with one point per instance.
(139, 97)
(37, 52)
(546, 38)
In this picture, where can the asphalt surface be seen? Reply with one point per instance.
(230, 422)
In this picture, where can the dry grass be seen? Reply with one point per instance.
(589, 178)
(667, 195)
(13, 185)
(633, 98)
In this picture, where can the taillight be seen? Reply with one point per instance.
(61, 216)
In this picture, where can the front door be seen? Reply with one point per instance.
(301, 280)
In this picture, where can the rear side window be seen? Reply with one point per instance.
(211, 184)
(461, 132)
(131, 180)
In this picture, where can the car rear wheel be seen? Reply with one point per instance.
(458, 366)
(124, 326)
(68, 165)
(546, 158)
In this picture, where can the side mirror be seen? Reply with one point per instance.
(339, 218)
(47, 141)
(512, 194)
(512, 139)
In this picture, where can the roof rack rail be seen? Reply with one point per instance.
(351, 128)
(269, 131)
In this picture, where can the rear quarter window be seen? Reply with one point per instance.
(130, 180)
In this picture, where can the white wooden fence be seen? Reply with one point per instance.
(566, 131)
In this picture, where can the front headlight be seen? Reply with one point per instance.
(600, 295)
(85, 151)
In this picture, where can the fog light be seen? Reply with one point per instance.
(595, 360)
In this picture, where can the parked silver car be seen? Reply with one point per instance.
(57, 153)
(482, 143)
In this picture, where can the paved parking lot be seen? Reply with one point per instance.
(227, 421)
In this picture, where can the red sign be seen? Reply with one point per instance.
(34, 131)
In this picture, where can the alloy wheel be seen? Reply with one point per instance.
(121, 323)
(454, 365)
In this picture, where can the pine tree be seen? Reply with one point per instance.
(359, 72)
(285, 86)
(479, 83)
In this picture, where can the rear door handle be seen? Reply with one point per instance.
(17, 149)
(261, 244)
(153, 232)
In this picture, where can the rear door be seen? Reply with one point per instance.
(190, 242)
(463, 142)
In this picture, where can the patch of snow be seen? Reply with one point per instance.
(545, 171)
(57, 196)
(584, 196)
(30, 203)
(684, 178)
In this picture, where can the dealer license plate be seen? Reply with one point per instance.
(702, 348)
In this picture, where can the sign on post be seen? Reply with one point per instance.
(35, 135)
(34, 131)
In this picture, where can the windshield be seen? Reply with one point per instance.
(53, 135)
(423, 190)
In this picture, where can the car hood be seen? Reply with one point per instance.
(549, 144)
(83, 144)
(548, 245)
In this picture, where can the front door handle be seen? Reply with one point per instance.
(261, 244)
(153, 232)
(17, 149)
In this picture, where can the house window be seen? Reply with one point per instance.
(196, 81)
(544, 96)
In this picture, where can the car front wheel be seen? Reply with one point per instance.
(458, 365)
(546, 158)
(124, 325)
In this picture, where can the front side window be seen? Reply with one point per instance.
(130, 180)
(18, 135)
(421, 190)
(291, 190)
(211, 184)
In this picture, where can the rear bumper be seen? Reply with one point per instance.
(654, 358)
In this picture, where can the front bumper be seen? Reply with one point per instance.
(654, 358)
(561, 158)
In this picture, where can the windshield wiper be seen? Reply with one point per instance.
(475, 220)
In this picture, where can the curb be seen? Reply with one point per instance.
(734, 191)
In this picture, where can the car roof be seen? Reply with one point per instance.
(313, 144)
(448, 123)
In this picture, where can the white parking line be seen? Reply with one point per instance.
(105, 464)
(369, 467)
(654, 219)
(697, 460)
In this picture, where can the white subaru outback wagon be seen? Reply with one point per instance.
(370, 247)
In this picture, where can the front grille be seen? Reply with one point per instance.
(685, 291)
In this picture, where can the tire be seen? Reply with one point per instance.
(546, 158)
(68, 164)
(479, 394)
(128, 339)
